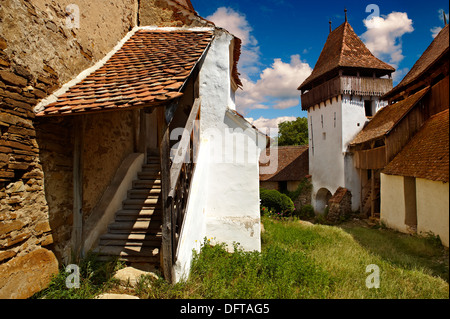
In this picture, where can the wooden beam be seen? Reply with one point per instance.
(77, 226)
(164, 151)
(372, 195)
(183, 147)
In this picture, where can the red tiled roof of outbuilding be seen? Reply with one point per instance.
(427, 153)
(293, 164)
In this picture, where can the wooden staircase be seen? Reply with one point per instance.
(135, 235)
(367, 196)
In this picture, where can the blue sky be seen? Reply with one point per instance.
(282, 40)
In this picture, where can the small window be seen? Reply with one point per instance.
(321, 120)
(368, 108)
(324, 136)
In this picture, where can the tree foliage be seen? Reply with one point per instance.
(293, 133)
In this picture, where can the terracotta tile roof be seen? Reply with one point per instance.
(385, 119)
(437, 49)
(427, 154)
(344, 49)
(293, 164)
(150, 68)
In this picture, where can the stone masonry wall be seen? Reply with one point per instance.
(39, 52)
(41, 49)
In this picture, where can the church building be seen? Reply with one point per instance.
(341, 95)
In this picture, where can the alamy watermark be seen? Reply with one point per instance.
(374, 9)
(373, 280)
(73, 17)
(73, 280)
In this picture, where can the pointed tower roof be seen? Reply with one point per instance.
(344, 49)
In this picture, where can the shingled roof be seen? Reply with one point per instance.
(385, 119)
(151, 67)
(344, 49)
(293, 164)
(427, 154)
(435, 51)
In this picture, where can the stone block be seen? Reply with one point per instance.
(7, 227)
(22, 277)
(4, 255)
(12, 78)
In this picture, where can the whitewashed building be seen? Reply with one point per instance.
(194, 170)
(341, 96)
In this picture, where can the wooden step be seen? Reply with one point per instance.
(145, 212)
(138, 226)
(133, 237)
(144, 202)
(127, 251)
(141, 240)
(147, 184)
(157, 217)
(152, 159)
(144, 193)
(145, 175)
(154, 166)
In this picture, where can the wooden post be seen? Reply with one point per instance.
(77, 226)
(164, 151)
(372, 195)
(142, 133)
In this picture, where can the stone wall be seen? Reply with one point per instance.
(339, 206)
(107, 140)
(39, 51)
(167, 13)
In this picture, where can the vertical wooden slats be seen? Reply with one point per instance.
(371, 159)
(345, 85)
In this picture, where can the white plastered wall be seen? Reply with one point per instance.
(433, 208)
(326, 162)
(224, 202)
(332, 126)
(393, 204)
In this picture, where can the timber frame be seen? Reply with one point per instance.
(176, 176)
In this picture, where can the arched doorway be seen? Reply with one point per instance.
(322, 198)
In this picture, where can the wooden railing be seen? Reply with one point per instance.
(181, 173)
(371, 159)
(176, 179)
(345, 85)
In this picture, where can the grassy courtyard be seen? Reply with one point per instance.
(298, 261)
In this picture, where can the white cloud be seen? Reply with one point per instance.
(435, 30)
(277, 86)
(383, 36)
(237, 24)
(270, 126)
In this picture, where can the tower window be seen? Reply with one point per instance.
(368, 108)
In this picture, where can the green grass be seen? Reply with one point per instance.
(95, 278)
(298, 262)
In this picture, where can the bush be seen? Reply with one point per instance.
(306, 212)
(274, 200)
(304, 188)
